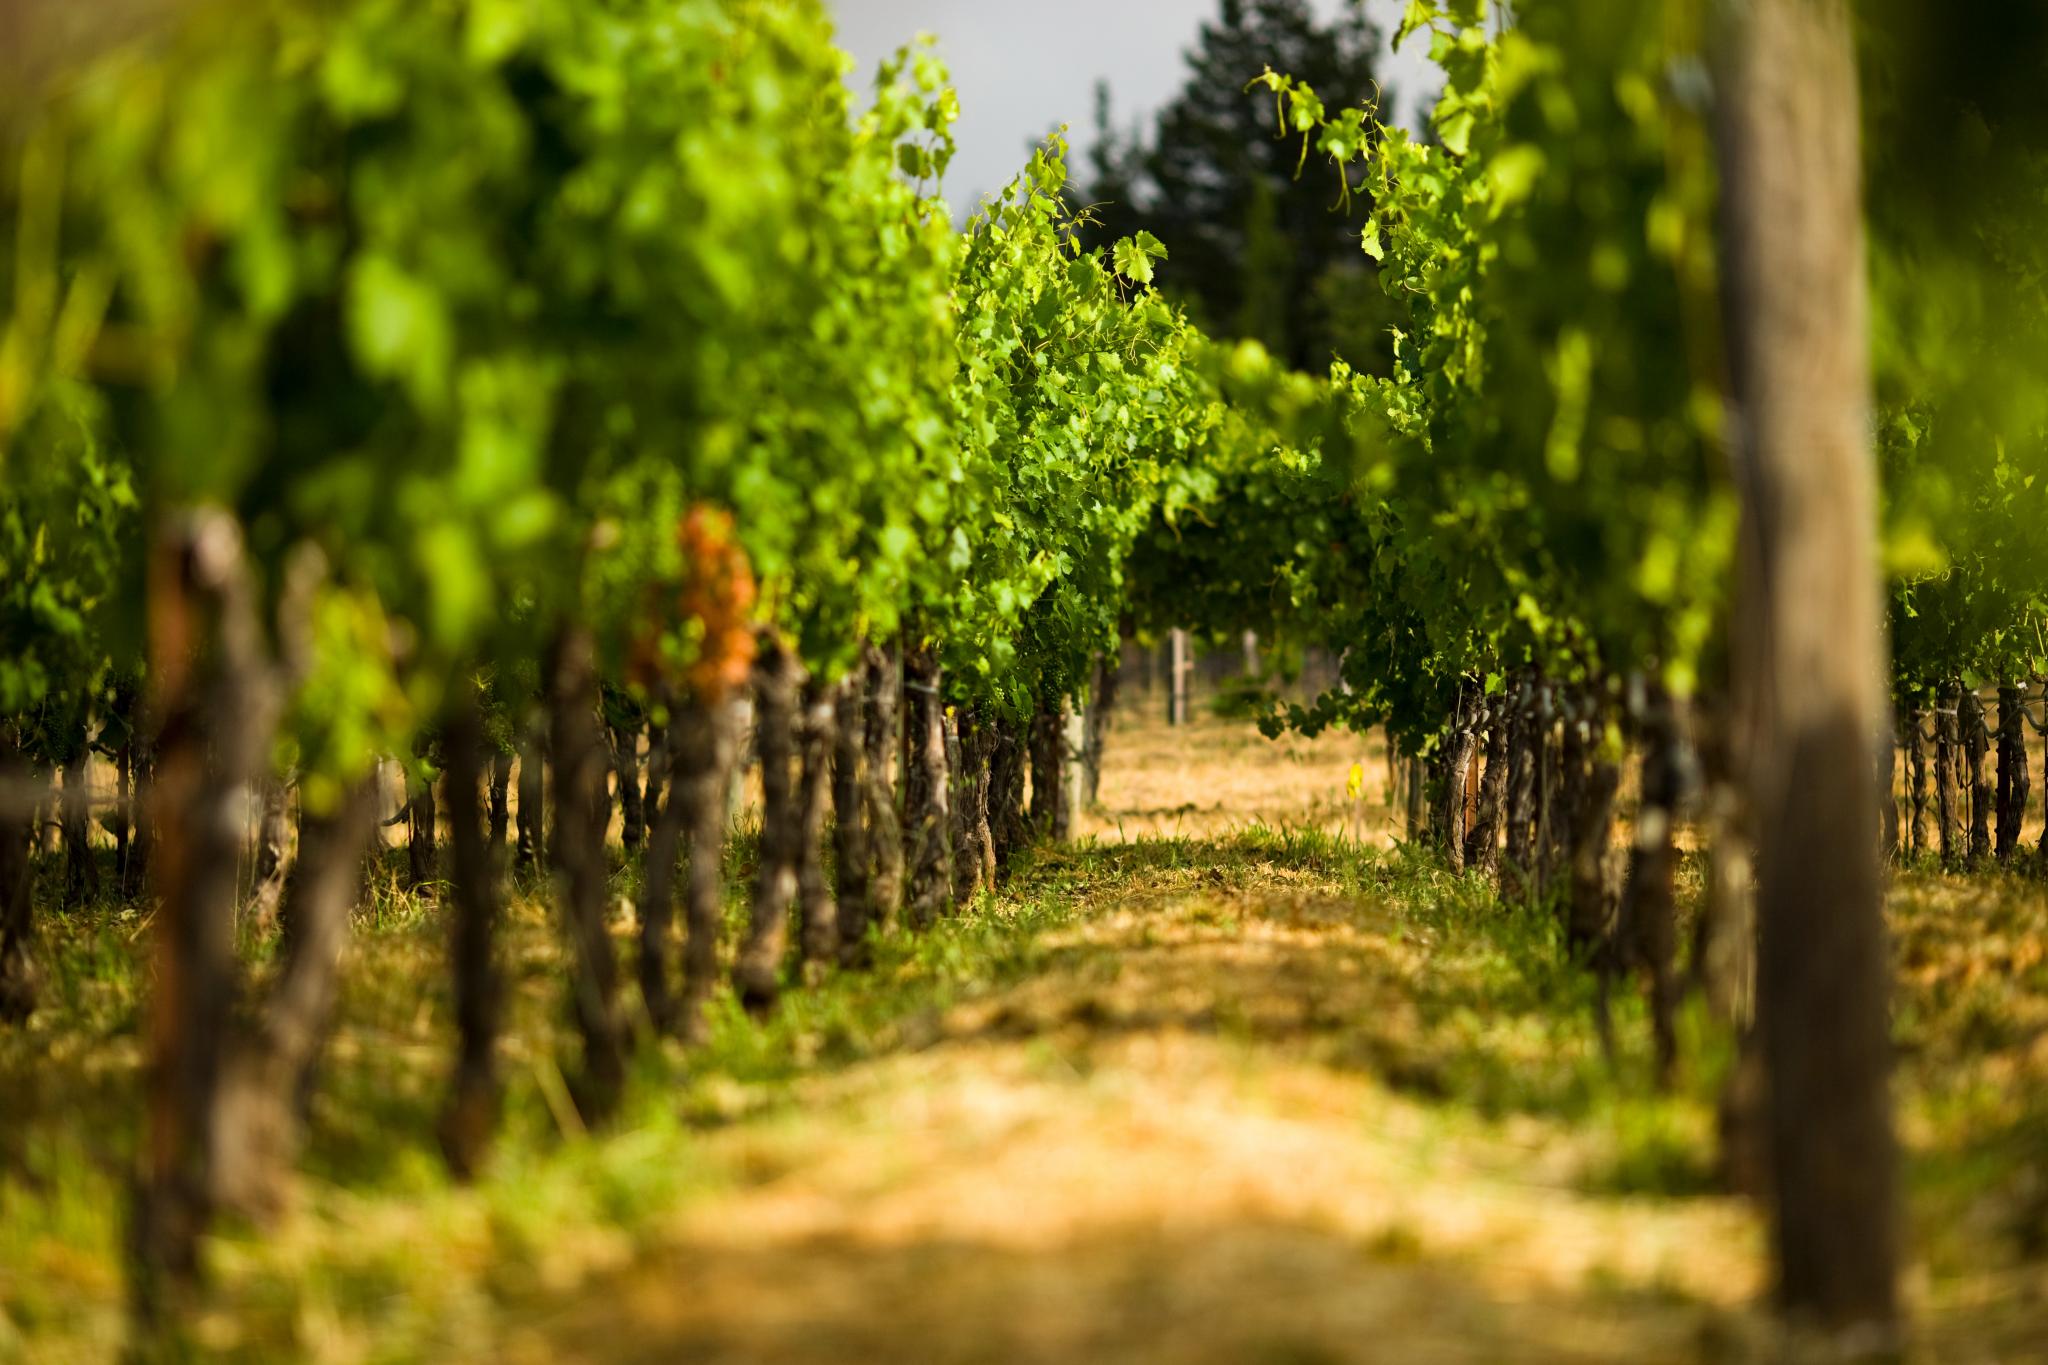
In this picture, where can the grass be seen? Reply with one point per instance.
(1265, 1093)
(384, 1248)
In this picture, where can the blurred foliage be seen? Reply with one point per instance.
(1257, 252)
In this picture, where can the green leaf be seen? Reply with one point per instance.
(1417, 16)
(1132, 261)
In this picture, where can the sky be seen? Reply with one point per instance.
(1023, 67)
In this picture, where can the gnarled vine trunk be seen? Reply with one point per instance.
(817, 913)
(1947, 763)
(2013, 779)
(974, 865)
(1551, 807)
(273, 857)
(657, 891)
(1649, 917)
(1102, 689)
(1591, 779)
(81, 869)
(1455, 760)
(706, 734)
(1525, 758)
(532, 851)
(625, 747)
(17, 821)
(851, 855)
(471, 1113)
(1415, 789)
(1482, 843)
(500, 799)
(757, 975)
(422, 835)
(215, 706)
(1887, 788)
(1976, 745)
(1006, 817)
(268, 1067)
(581, 814)
(884, 826)
(659, 765)
(927, 800)
(1049, 815)
(1916, 780)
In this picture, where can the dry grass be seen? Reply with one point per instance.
(1215, 777)
(1177, 1144)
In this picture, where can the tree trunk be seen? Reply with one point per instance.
(851, 854)
(581, 814)
(1976, 745)
(471, 1113)
(268, 1068)
(1916, 777)
(2013, 779)
(818, 915)
(706, 734)
(17, 819)
(884, 825)
(1809, 648)
(273, 858)
(757, 975)
(927, 800)
(215, 706)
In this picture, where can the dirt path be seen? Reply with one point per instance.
(1210, 1130)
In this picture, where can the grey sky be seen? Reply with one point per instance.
(1023, 67)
